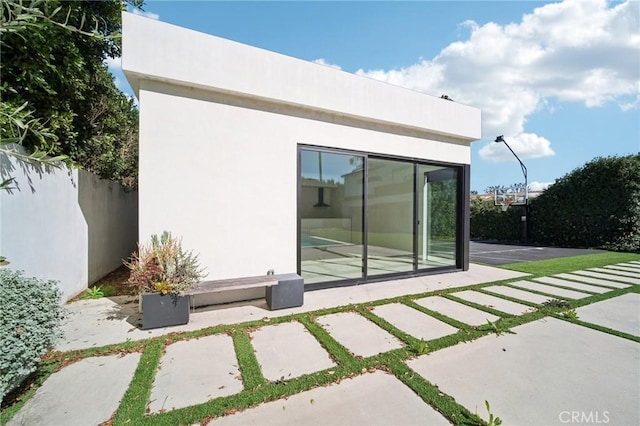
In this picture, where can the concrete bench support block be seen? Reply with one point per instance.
(289, 293)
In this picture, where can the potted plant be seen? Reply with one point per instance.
(162, 271)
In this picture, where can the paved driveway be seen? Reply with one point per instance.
(502, 254)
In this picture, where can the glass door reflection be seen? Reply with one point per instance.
(437, 194)
(331, 210)
(390, 217)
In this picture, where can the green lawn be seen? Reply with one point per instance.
(567, 264)
(132, 410)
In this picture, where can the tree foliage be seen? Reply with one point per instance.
(53, 55)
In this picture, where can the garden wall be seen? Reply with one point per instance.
(65, 224)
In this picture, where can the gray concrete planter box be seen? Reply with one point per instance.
(163, 310)
(289, 293)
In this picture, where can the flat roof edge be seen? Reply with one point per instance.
(153, 50)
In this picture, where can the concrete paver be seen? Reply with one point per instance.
(358, 334)
(94, 323)
(87, 392)
(194, 371)
(548, 366)
(370, 399)
(542, 374)
(630, 265)
(517, 293)
(493, 302)
(608, 276)
(288, 350)
(413, 322)
(549, 289)
(456, 311)
(626, 268)
(619, 313)
(591, 280)
(572, 284)
(632, 274)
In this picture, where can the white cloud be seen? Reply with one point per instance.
(114, 63)
(525, 145)
(577, 51)
(539, 186)
(321, 61)
(147, 14)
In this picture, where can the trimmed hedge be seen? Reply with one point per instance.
(29, 325)
(596, 205)
(488, 222)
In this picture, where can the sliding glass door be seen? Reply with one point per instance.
(364, 216)
(437, 195)
(390, 217)
(331, 210)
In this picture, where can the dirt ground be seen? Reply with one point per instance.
(115, 284)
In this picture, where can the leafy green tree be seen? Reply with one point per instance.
(52, 67)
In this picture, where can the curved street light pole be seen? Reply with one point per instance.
(525, 218)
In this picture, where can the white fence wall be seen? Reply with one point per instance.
(65, 225)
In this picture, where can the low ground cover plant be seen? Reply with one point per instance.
(29, 325)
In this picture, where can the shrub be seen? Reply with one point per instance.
(488, 222)
(596, 205)
(163, 266)
(29, 325)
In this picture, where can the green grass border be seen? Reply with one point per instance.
(573, 263)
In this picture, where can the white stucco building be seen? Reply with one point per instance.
(262, 161)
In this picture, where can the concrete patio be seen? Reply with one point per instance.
(544, 373)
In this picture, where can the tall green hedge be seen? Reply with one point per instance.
(596, 205)
(488, 222)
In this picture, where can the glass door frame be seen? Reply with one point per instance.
(462, 226)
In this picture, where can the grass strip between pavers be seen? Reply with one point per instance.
(508, 298)
(337, 352)
(135, 400)
(247, 362)
(406, 338)
(477, 306)
(540, 293)
(437, 315)
(443, 403)
(133, 407)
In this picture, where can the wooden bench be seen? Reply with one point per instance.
(282, 290)
(219, 286)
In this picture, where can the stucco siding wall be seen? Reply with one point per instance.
(224, 177)
(66, 225)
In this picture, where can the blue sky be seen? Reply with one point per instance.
(560, 81)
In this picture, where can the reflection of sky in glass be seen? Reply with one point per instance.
(334, 166)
